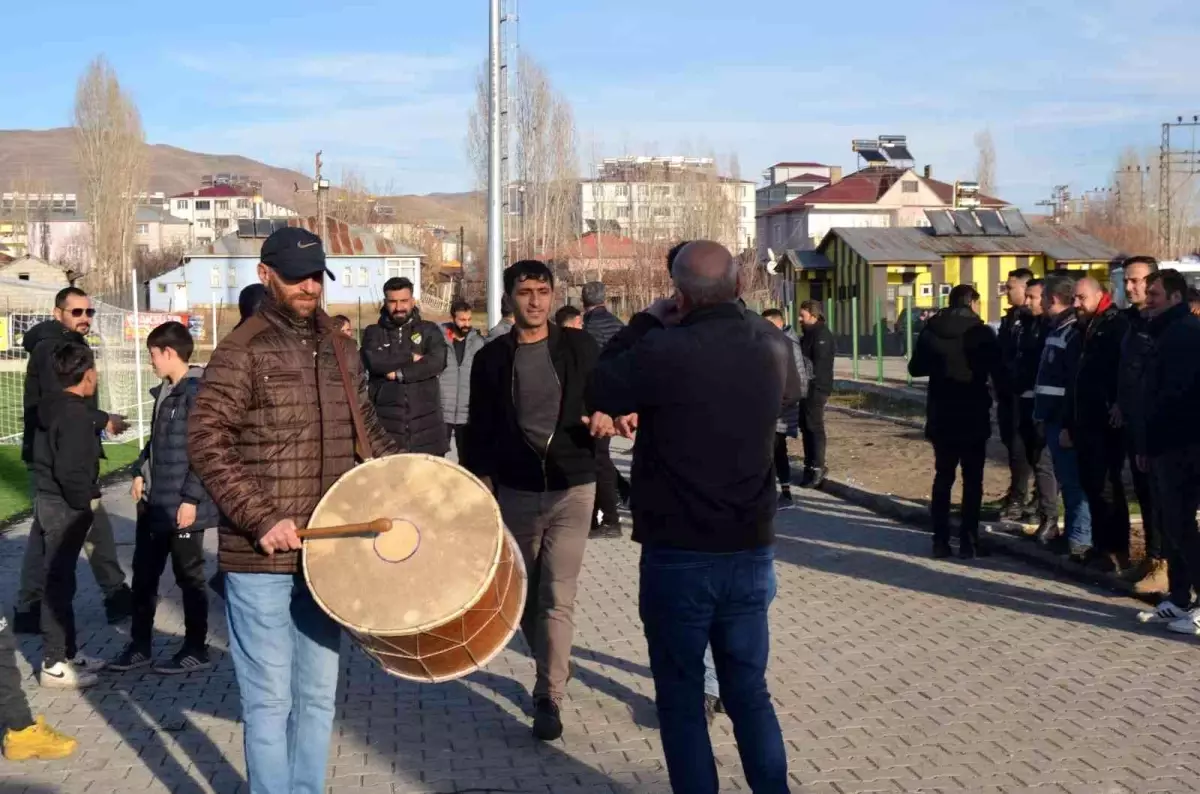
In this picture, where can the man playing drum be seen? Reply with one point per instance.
(271, 431)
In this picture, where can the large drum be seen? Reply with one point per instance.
(437, 596)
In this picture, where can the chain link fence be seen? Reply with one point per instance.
(123, 364)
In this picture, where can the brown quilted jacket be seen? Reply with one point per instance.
(271, 431)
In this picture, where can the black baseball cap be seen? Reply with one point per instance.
(294, 253)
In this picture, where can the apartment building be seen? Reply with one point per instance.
(215, 210)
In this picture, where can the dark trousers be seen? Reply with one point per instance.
(1008, 421)
(1151, 528)
(607, 497)
(812, 430)
(1175, 480)
(948, 455)
(14, 708)
(63, 531)
(1101, 455)
(783, 465)
(456, 433)
(1038, 460)
(688, 600)
(150, 554)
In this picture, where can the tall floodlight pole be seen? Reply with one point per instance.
(495, 252)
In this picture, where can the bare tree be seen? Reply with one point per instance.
(111, 160)
(985, 165)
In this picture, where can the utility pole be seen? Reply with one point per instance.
(320, 188)
(1141, 172)
(1058, 203)
(1183, 163)
(495, 232)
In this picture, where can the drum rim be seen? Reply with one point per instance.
(478, 594)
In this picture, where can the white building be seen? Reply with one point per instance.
(783, 182)
(214, 211)
(665, 198)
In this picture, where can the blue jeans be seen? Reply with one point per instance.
(711, 685)
(285, 657)
(1066, 471)
(687, 600)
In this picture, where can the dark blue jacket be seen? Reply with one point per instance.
(1060, 362)
(165, 457)
(1172, 383)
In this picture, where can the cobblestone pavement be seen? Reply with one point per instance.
(891, 672)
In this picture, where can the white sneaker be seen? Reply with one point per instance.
(65, 675)
(1188, 624)
(1165, 612)
(88, 664)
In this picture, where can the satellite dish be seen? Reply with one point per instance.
(772, 264)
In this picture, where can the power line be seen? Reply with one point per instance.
(1173, 163)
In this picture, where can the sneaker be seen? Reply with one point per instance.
(1048, 531)
(1188, 624)
(1165, 612)
(1155, 579)
(65, 675)
(605, 531)
(119, 605)
(186, 661)
(38, 741)
(1013, 510)
(28, 621)
(818, 477)
(785, 498)
(547, 720)
(132, 658)
(88, 664)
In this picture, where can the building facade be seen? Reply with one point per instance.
(215, 273)
(784, 182)
(215, 210)
(667, 198)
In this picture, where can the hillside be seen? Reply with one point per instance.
(47, 158)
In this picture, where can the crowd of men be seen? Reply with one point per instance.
(1085, 392)
(531, 409)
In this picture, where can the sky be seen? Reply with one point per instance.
(385, 87)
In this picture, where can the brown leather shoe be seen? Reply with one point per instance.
(1155, 581)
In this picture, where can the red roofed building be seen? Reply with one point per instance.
(596, 252)
(214, 210)
(876, 196)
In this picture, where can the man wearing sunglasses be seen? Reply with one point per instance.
(72, 322)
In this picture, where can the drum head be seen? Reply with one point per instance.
(431, 567)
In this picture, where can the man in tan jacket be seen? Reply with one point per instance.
(271, 431)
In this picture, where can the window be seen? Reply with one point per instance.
(181, 204)
(643, 191)
(662, 191)
(223, 204)
(943, 290)
(203, 206)
(364, 277)
(348, 276)
(402, 268)
(232, 276)
(742, 211)
(224, 223)
(1001, 288)
(622, 191)
(243, 204)
(214, 280)
(204, 223)
(161, 286)
(142, 228)
(926, 290)
(24, 276)
(908, 186)
(623, 211)
(643, 213)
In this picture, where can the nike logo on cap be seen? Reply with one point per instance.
(306, 245)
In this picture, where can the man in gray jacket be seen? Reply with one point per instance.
(464, 342)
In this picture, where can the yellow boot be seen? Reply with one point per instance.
(39, 741)
(1155, 580)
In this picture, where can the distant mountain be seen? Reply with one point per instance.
(47, 158)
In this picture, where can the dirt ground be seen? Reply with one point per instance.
(891, 458)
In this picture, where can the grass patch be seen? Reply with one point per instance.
(14, 477)
(878, 404)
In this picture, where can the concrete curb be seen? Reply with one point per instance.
(912, 423)
(998, 540)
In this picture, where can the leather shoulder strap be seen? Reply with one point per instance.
(361, 442)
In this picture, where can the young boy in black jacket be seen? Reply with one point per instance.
(66, 467)
(173, 511)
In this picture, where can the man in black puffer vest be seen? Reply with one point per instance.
(404, 356)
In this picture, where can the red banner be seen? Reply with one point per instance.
(148, 321)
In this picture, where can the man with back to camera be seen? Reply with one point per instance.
(506, 320)
(530, 436)
(959, 354)
(272, 429)
(404, 355)
(1151, 575)
(464, 344)
(73, 313)
(704, 506)
(569, 317)
(603, 325)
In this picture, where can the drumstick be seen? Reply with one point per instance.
(378, 526)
